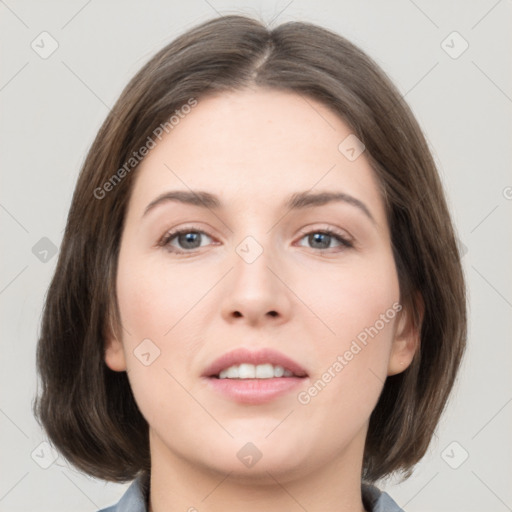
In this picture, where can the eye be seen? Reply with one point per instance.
(322, 239)
(183, 240)
(187, 240)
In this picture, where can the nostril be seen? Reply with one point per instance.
(237, 314)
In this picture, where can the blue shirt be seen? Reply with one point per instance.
(136, 497)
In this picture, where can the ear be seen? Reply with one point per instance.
(407, 337)
(114, 352)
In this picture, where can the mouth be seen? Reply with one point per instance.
(254, 377)
(250, 371)
(262, 364)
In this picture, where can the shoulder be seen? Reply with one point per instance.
(374, 500)
(135, 497)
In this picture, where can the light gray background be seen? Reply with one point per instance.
(51, 109)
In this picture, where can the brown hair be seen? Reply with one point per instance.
(88, 410)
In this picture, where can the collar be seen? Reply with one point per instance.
(136, 498)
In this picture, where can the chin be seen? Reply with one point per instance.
(249, 457)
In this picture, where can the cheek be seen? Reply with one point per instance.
(153, 303)
(350, 298)
(154, 296)
(358, 306)
(162, 309)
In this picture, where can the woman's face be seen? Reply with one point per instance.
(254, 269)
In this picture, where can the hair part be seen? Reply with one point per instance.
(88, 410)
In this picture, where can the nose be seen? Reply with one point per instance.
(255, 292)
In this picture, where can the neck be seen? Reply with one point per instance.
(180, 485)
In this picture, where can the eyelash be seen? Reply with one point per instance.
(168, 237)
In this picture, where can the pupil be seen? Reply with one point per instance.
(321, 238)
(187, 240)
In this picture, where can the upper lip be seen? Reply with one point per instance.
(262, 356)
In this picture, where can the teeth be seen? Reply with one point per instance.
(232, 372)
(246, 371)
(251, 371)
(264, 371)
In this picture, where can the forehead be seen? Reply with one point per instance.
(255, 148)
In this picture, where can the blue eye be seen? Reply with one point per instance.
(322, 239)
(186, 239)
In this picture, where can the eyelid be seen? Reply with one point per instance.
(329, 229)
(173, 232)
(345, 240)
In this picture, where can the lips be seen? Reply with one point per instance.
(263, 356)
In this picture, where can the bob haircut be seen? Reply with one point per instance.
(88, 410)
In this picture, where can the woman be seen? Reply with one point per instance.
(259, 302)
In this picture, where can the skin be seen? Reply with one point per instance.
(253, 149)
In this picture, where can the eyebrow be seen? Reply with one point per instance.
(297, 201)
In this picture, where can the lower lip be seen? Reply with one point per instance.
(255, 391)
